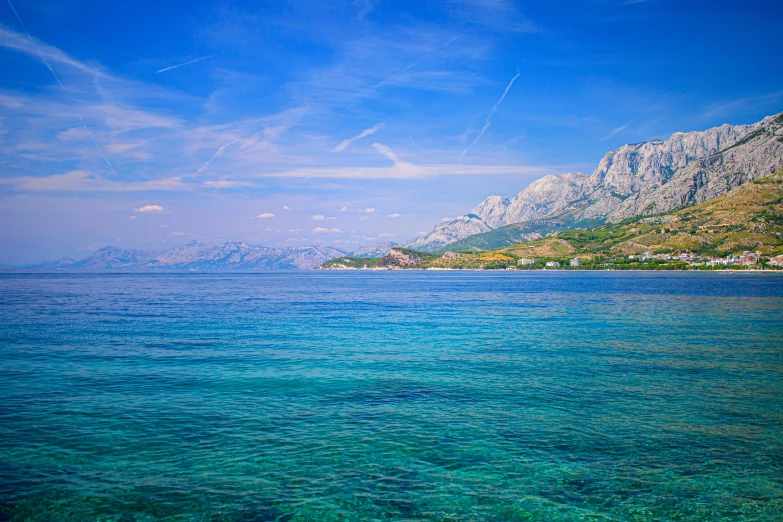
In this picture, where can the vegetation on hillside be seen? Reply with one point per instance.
(749, 218)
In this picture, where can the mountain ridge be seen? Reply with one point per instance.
(743, 226)
(236, 255)
(636, 179)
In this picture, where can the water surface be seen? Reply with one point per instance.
(391, 396)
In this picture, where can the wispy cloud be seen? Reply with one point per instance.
(7, 38)
(488, 122)
(412, 171)
(85, 181)
(364, 7)
(766, 102)
(226, 184)
(366, 132)
(616, 131)
(395, 215)
(183, 64)
(265, 215)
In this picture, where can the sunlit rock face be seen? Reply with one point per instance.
(643, 178)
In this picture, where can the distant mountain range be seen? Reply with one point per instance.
(374, 250)
(196, 255)
(635, 180)
(641, 179)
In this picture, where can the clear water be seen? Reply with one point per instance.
(391, 396)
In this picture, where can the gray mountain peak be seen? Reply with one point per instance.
(643, 178)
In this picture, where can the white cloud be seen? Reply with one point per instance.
(405, 170)
(265, 215)
(363, 218)
(292, 230)
(177, 233)
(386, 151)
(443, 220)
(385, 235)
(164, 226)
(395, 215)
(318, 217)
(225, 183)
(132, 217)
(286, 207)
(344, 209)
(366, 132)
(150, 208)
(85, 181)
(368, 210)
(321, 230)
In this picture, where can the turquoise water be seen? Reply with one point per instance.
(391, 396)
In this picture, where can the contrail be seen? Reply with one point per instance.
(182, 64)
(489, 117)
(61, 85)
(414, 64)
(366, 132)
(417, 62)
(616, 131)
(215, 155)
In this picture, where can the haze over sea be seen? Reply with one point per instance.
(391, 396)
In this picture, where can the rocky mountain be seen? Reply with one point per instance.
(746, 222)
(643, 178)
(374, 250)
(196, 255)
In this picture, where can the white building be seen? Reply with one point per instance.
(552, 264)
(576, 262)
(525, 261)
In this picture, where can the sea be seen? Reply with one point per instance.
(391, 396)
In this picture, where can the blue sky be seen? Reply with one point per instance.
(341, 123)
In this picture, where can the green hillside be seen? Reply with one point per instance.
(749, 218)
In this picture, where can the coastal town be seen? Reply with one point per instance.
(744, 260)
(406, 259)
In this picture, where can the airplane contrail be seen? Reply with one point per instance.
(183, 64)
(40, 55)
(489, 117)
(366, 132)
(215, 155)
(417, 62)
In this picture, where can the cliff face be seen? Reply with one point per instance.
(449, 232)
(644, 178)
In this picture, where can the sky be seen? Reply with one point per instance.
(151, 124)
